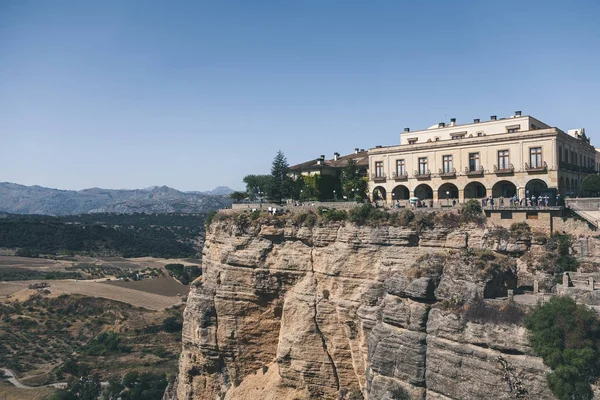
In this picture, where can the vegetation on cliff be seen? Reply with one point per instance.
(566, 335)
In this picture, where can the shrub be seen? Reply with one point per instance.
(565, 334)
(209, 218)
(325, 294)
(448, 220)
(172, 324)
(471, 212)
(360, 215)
(403, 218)
(423, 221)
(334, 214)
(519, 229)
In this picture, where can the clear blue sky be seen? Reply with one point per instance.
(195, 94)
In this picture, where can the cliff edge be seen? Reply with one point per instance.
(286, 310)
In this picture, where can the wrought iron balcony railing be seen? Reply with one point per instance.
(400, 177)
(506, 170)
(422, 174)
(537, 168)
(447, 174)
(477, 172)
(378, 177)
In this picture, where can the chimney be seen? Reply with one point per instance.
(476, 120)
(493, 117)
(517, 113)
(356, 150)
(362, 150)
(322, 157)
(441, 125)
(406, 129)
(452, 121)
(336, 156)
(378, 146)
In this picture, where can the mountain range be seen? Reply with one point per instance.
(20, 199)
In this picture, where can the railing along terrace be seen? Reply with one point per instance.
(422, 174)
(507, 170)
(477, 172)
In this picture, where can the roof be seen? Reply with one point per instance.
(361, 158)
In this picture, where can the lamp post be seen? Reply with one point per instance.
(448, 196)
(301, 194)
(334, 195)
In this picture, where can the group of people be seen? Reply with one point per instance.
(514, 201)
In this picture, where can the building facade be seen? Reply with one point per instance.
(500, 158)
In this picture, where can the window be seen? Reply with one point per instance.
(479, 134)
(400, 170)
(412, 141)
(531, 215)
(474, 162)
(423, 166)
(379, 169)
(513, 128)
(506, 214)
(503, 159)
(535, 157)
(447, 164)
(559, 153)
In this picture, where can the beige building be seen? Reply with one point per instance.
(500, 157)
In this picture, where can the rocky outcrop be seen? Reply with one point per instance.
(342, 311)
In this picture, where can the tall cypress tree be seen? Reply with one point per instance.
(281, 183)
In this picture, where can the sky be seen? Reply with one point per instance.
(197, 94)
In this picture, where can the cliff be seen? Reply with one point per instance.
(289, 311)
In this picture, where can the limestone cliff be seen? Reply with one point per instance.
(287, 311)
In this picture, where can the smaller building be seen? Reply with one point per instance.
(333, 166)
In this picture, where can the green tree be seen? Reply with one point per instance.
(256, 184)
(353, 184)
(565, 334)
(237, 196)
(590, 186)
(281, 183)
(85, 387)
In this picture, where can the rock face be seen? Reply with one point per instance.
(341, 311)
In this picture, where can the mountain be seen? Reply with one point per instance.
(220, 191)
(19, 199)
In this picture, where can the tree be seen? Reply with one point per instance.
(565, 334)
(257, 184)
(237, 196)
(590, 186)
(353, 184)
(85, 387)
(281, 183)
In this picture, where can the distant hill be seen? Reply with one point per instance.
(19, 199)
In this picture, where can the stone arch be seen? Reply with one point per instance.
(475, 190)
(535, 187)
(447, 191)
(400, 192)
(504, 189)
(424, 191)
(379, 193)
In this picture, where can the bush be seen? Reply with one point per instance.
(403, 218)
(565, 335)
(334, 214)
(471, 212)
(172, 324)
(519, 229)
(105, 343)
(423, 221)
(209, 218)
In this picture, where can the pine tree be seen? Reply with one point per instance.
(281, 183)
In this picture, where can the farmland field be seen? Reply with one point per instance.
(165, 286)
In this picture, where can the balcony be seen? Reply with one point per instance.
(477, 172)
(378, 177)
(504, 171)
(423, 175)
(536, 169)
(400, 177)
(451, 173)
